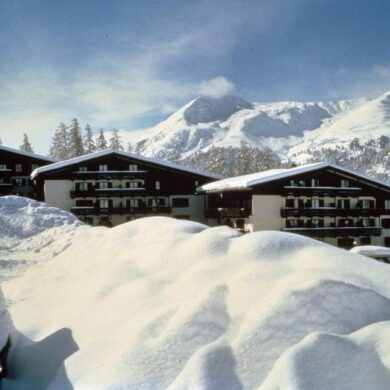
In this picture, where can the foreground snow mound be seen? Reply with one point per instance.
(5, 322)
(159, 303)
(22, 218)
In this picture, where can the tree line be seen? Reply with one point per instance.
(70, 141)
(25, 146)
(370, 157)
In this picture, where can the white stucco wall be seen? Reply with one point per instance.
(57, 193)
(266, 212)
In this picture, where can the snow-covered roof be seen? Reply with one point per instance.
(92, 156)
(27, 154)
(248, 181)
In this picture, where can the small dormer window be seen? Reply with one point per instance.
(3, 167)
(103, 168)
(344, 183)
(157, 185)
(18, 167)
(83, 169)
(315, 182)
(133, 167)
(34, 167)
(387, 204)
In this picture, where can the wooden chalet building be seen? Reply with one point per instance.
(323, 201)
(15, 170)
(112, 187)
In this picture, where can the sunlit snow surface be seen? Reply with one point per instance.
(159, 303)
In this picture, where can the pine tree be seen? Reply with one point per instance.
(75, 143)
(89, 143)
(59, 146)
(26, 146)
(101, 143)
(115, 141)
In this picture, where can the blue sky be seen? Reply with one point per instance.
(130, 63)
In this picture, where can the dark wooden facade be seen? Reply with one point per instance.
(325, 203)
(113, 184)
(15, 170)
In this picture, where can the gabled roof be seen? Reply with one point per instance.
(27, 154)
(253, 179)
(92, 156)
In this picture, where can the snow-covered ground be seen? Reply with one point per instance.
(159, 303)
(26, 227)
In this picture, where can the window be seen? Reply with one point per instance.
(386, 223)
(84, 203)
(34, 166)
(82, 186)
(133, 203)
(18, 182)
(3, 167)
(344, 183)
(157, 185)
(103, 168)
(346, 243)
(292, 223)
(345, 222)
(103, 203)
(387, 204)
(103, 185)
(301, 183)
(133, 167)
(182, 216)
(155, 202)
(83, 169)
(366, 203)
(180, 202)
(315, 182)
(315, 203)
(344, 204)
(196, 183)
(105, 221)
(290, 203)
(87, 220)
(365, 241)
(18, 167)
(132, 184)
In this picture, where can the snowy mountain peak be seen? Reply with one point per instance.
(205, 109)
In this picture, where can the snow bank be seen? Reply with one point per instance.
(21, 218)
(372, 250)
(5, 322)
(159, 303)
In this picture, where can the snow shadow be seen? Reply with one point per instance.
(36, 365)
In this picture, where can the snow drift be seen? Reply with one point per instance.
(5, 322)
(21, 218)
(160, 303)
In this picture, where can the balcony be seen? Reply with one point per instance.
(227, 213)
(96, 192)
(332, 212)
(321, 191)
(78, 175)
(95, 210)
(336, 231)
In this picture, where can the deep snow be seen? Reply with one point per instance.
(160, 303)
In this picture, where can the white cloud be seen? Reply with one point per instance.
(381, 70)
(216, 87)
